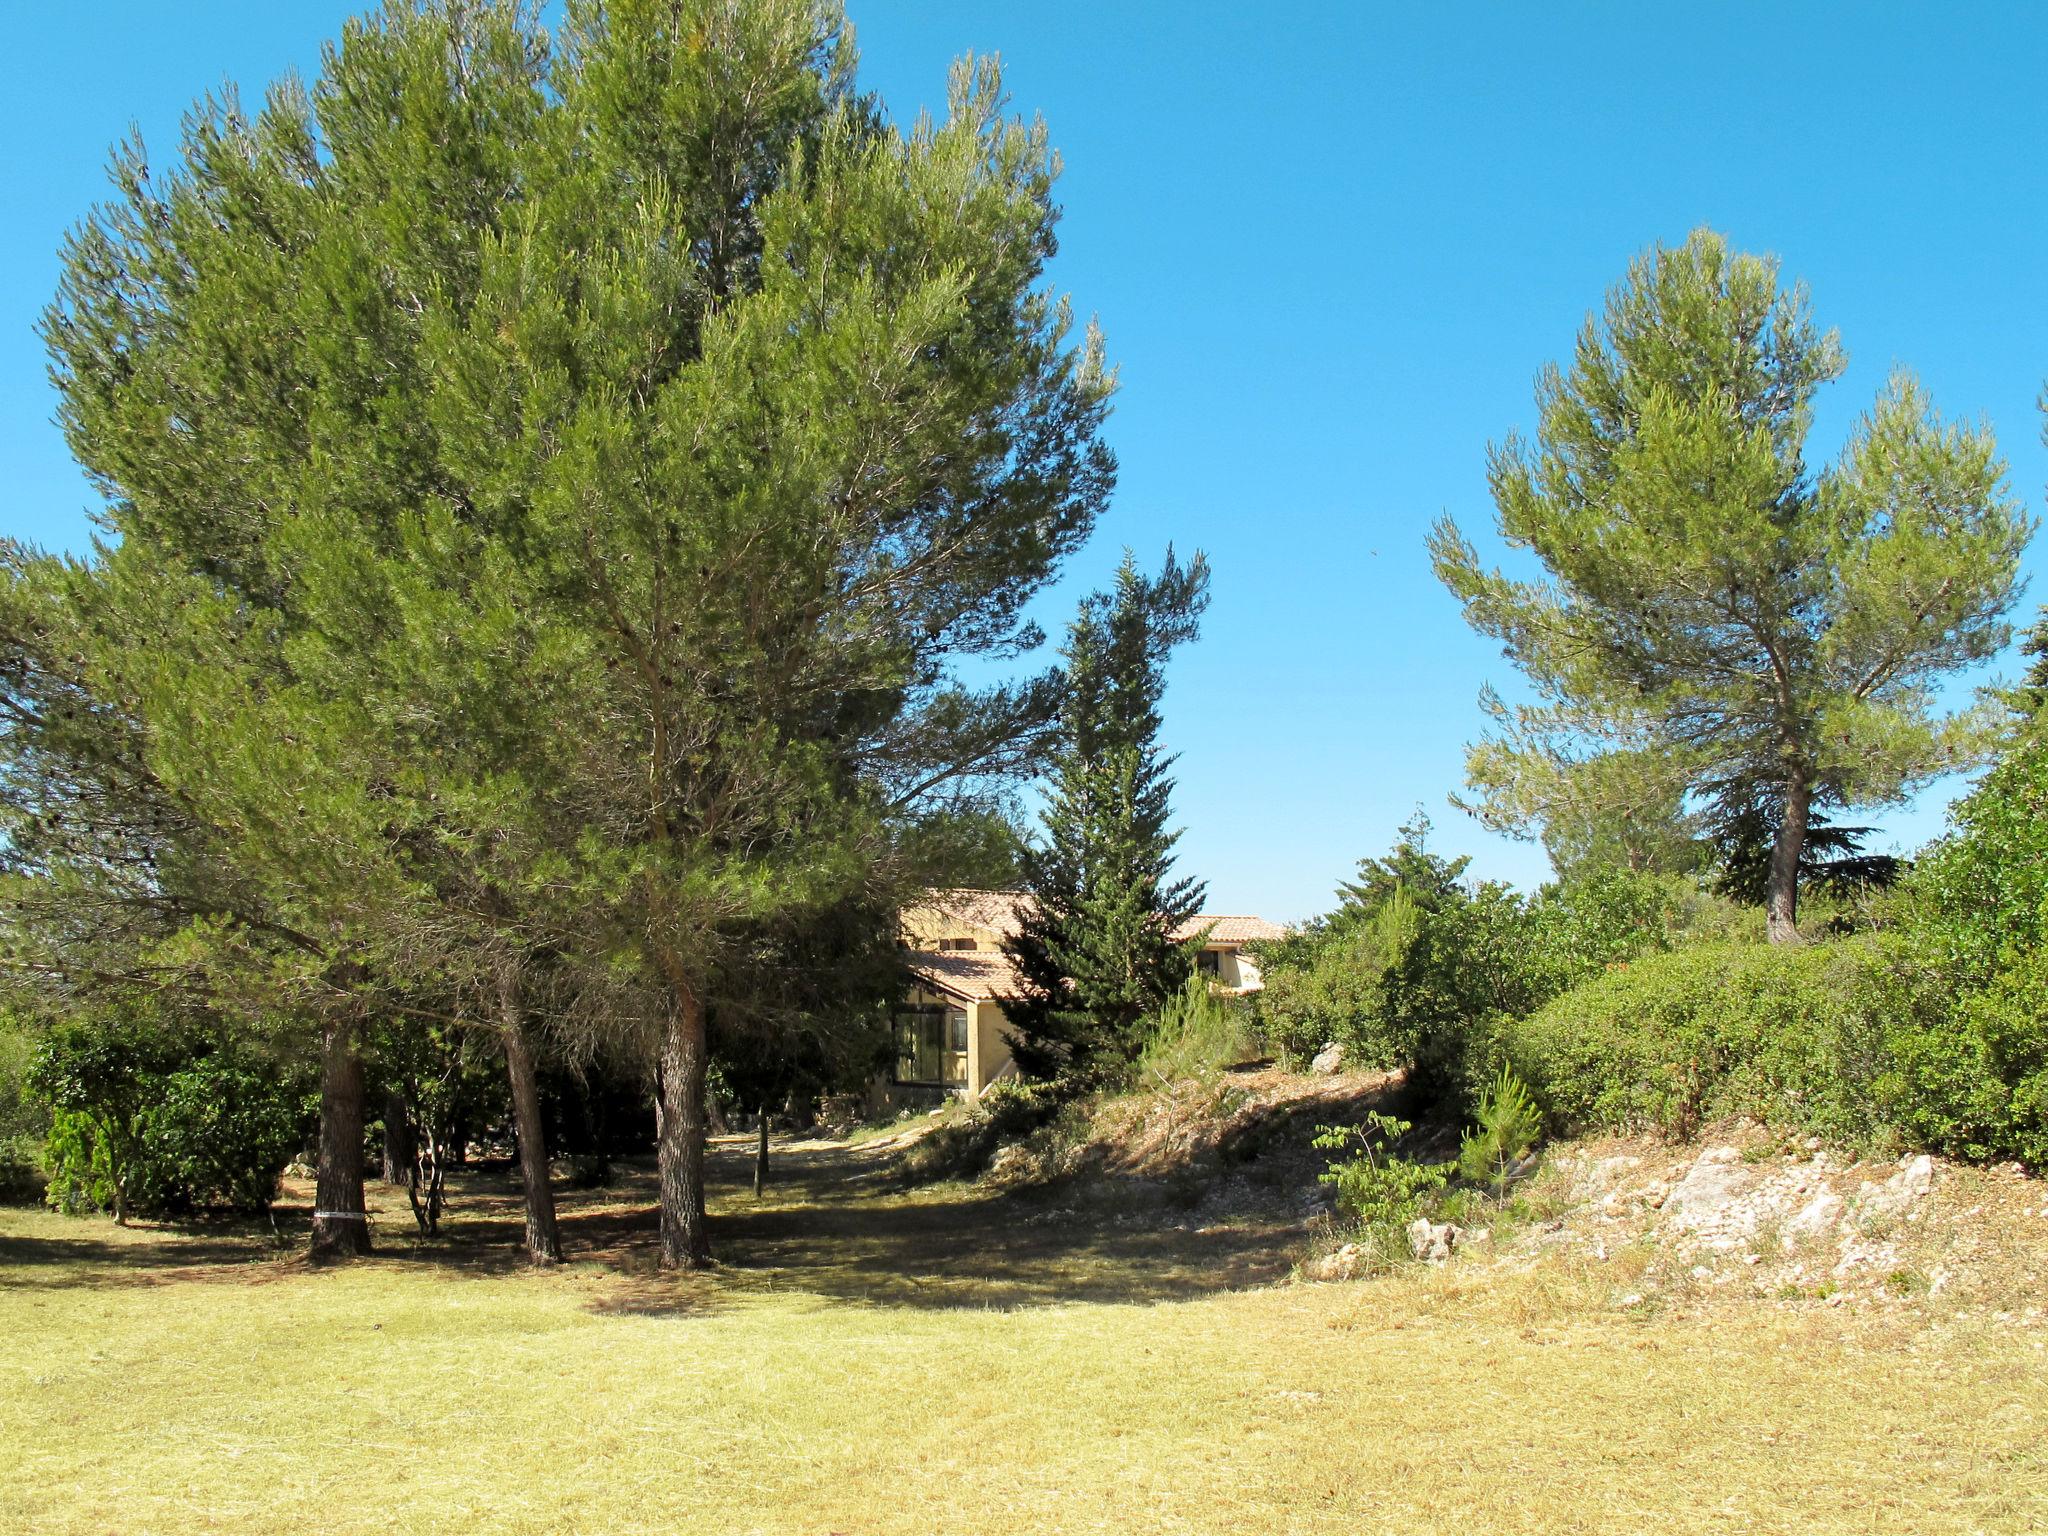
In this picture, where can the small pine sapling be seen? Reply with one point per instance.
(1509, 1125)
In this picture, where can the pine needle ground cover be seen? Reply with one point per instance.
(872, 1359)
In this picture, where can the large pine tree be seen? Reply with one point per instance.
(1099, 952)
(554, 473)
(1706, 592)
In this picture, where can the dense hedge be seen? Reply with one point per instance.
(145, 1117)
(1970, 1038)
(1789, 1035)
(1423, 971)
(1932, 1032)
(23, 1122)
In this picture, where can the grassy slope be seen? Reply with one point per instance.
(873, 1361)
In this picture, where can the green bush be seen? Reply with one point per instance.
(1967, 1009)
(1382, 1193)
(22, 1179)
(148, 1116)
(1789, 1035)
(1418, 969)
(24, 1123)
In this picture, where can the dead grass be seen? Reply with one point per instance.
(877, 1360)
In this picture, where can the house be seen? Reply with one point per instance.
(952, 1031)
(1222, 958)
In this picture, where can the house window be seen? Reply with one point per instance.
(931, 1046)
(1209, 962)
(945, 944)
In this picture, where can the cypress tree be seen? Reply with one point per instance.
(1099, 953)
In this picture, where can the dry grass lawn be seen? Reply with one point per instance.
(873, 1360)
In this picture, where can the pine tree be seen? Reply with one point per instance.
(2032, 695)
(1764, 625)
(555, 474)
(1100, 953)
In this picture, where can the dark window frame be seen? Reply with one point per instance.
(949, 1022)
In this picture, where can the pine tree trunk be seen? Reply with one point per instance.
(543, 1239)
(1782, 923)
(341, 1223)
(399, 1148)
(685, 1244)
(761, 1157)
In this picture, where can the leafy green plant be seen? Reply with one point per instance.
(1789, 1036)
(24, 1122)
(1966, 1034)
(1381, 1192)
(1418, 968)
(1509, 1125)
(159, 1118)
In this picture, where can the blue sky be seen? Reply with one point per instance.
(1330, 257)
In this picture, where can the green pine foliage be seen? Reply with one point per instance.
(555, 475)
(2031, 698)
(1708, 598)
(1508, 1127)
(1098, 956)
(1199, 1033)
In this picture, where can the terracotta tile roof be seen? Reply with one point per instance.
(1224, 929)
(997, 912)
(976, 975)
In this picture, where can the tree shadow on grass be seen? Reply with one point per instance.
(125, 1257)
(834, 1223)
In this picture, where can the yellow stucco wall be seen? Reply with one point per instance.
(988, 1046)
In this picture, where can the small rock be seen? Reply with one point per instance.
(1433, 1241)
(1709, 1187)
(1600, 1176)
(1914, 1180)
(1898, 1193)
(1339, 1265)
(1328, 1061)
(1812, 1221)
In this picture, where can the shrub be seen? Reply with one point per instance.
(24, 1123)
(22, 1178)
(1341, 981)
(146, 1116)
(1417, 969)
(1198, 1033)
(1967, 1014)
(1381, 1192)
(1788, 1035)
